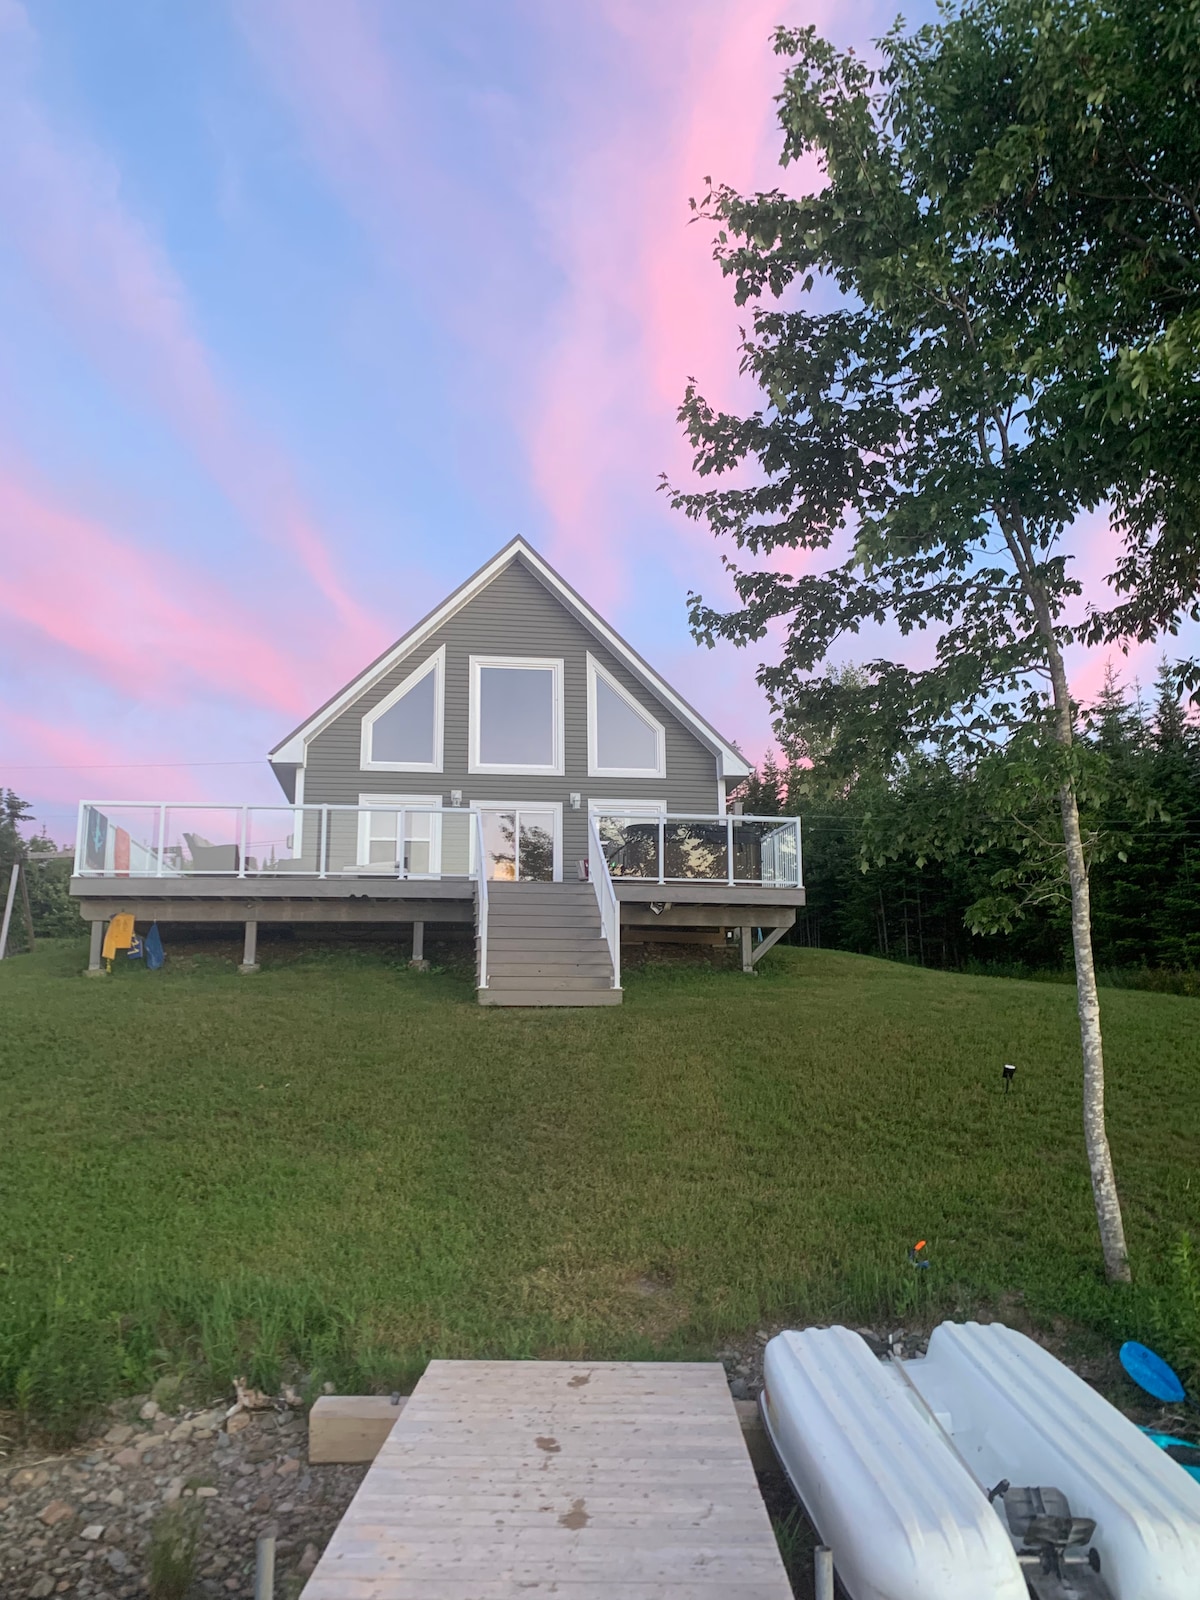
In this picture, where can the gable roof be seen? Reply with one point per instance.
(290, 751)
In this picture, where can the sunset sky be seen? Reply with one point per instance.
(307, 307)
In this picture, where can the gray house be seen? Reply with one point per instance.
(510, 762)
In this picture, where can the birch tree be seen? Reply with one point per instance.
(926, 370)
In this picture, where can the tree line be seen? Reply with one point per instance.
(870, 894)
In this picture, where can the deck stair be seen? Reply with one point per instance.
(545, 947)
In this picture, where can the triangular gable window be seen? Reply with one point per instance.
(403, 733)
(624, 740)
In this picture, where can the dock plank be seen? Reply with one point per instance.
(583, 1480)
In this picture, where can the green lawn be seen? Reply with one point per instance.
(354, 1166)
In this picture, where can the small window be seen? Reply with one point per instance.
(624, 740)
(516, 715)
(404, 731)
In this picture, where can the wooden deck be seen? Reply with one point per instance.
(582, 1481)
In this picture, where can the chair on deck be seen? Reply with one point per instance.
(209, 857)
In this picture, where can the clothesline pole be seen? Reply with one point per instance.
(8, 905)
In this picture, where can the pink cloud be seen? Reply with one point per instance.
(61, 200)
(645, 305)
(145, 624)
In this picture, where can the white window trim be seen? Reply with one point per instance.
(298, 817)
(551, 664)
(628, 808)
(416, 802)
(595, 770)
(526, 805)
(436, 664)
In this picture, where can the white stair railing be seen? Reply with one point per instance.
(481, 899)
(606, 898)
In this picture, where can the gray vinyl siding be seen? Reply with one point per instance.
(516, 615)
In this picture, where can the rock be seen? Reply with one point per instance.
(57, 1511)
(42, 1589)
(150, 1410)
(94, 1531)
(28, 1478)
(173, 1491)
(308, 1560)
(262, 1505)
(286, 1468)
(131, 1456)
(117, 1559)
(762, 1336)
(239, 1421)
(738, 1389)
(162, 1425)
(206, 1492)
(209, 1421)
(183, 1431)
(115, 1497)
(119, 1433)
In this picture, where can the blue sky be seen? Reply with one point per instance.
(306, 308)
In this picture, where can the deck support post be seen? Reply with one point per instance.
(765, 943)
(418, 954)
(94, 967)
(250, 949)
(747, 949)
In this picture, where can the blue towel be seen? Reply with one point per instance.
(154, 948)
(135, 949)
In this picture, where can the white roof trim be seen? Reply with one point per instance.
(292, 751)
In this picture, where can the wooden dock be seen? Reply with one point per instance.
(578, 1480)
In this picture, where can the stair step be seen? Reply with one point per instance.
(549, 981)
(566, 970)
(531, 997)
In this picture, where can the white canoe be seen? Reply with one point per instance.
(1015, 1412)
(883, 1487)
(879, 1453)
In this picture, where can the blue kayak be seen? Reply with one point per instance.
(1180, 1450)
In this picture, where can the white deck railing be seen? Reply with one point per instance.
(676, 848)
(166, 840)
(161, 839)
(606, 898)
(481, 901)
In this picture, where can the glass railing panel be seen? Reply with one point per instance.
(764, 851)
(282, 839)
(120, 841)
(630, 845)
(202, 839)
(696, 849)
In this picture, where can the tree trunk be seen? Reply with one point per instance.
(1104, 1182)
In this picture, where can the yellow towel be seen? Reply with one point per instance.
(119, 935)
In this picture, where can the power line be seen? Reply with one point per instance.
(115, 766)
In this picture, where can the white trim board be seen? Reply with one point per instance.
(291, 750)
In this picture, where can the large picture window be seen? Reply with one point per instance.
(404, 731)
(516, 715)
(624, 740)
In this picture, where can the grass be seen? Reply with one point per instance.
(344, 1167)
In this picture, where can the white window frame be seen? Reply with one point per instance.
(552, 664)
(436, 664)
(415, 802)
(628, 808)
(595, 770)
(556, 806)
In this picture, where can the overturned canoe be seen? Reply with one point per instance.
(885, 1490)
(1013, 1411)
(892, 1458)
